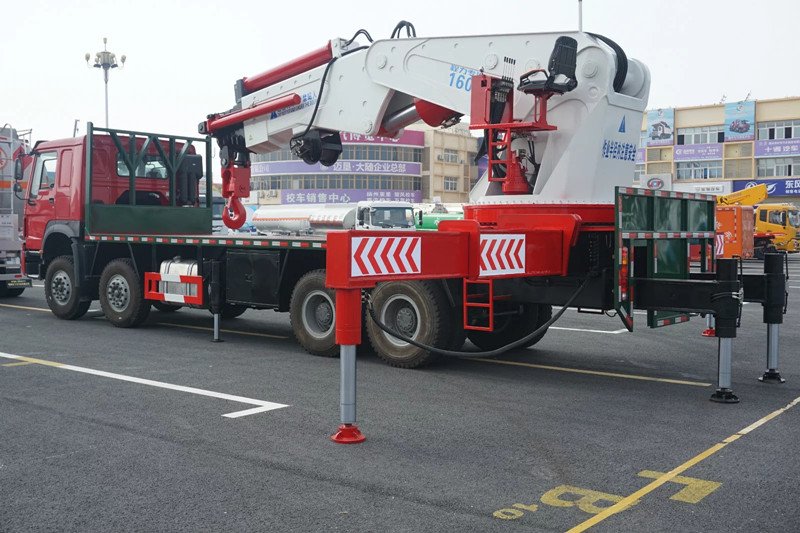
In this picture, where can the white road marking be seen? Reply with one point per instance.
(615, 332)
(262, 406)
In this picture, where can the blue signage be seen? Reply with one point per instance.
(779, 187)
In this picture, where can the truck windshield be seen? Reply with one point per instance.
(393, 217)
(217, 205)
(794, 218)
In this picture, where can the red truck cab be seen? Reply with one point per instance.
(61, 174)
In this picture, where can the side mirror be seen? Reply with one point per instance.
(18, 169)
(17, 187)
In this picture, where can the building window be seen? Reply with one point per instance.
(699, 170)
(701, 135)
(778, 166)
(738, 168)
(450, 156)
(781, 129)
(451, 184)
(638, 173)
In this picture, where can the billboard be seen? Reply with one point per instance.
(698, 152)
(398, 168)
(408, 138)
(777, 148)
(775, 187)
(740, 120)
(660, 127)
(346, 196)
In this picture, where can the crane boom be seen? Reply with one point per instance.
(749, 196)
(591, 93)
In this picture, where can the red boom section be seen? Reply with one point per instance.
(290, 69)
(220, 122)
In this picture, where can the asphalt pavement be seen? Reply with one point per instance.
(107, 429)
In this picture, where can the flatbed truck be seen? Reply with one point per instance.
(116, 216)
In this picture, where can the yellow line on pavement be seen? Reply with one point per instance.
(595, 372)
(21, 363)
(237, 332)
(650, 487)
(25, 307)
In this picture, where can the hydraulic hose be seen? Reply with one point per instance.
(491, 353)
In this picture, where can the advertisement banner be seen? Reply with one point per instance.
(639, 156)
(340, 167)
(656, 182)
(660, 127)
(346, 196)
(775, 187)
(778, 148)
(408, 138)
(698, 152)
(740, 120)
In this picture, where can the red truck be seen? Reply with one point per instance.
(117, 216)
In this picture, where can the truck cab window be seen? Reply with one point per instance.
(777, 217)
(45, 173)
(151, 167)
(794, 219)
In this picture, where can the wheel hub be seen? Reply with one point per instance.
(61, 287)
(317, 314)
(401, 314)
(118, 293)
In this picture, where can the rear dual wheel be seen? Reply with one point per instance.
(312, 313)
(513, 327)
(418, 310)
(122, 294)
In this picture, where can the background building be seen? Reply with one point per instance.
(724, 148)
(420, 165)
(448, 167)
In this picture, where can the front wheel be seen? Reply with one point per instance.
(513, 327)
(61, 290)
(122, 295)
(312, 313)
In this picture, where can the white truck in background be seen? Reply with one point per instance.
(12, 281)
(321, 218)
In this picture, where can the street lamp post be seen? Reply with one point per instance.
(105, 60)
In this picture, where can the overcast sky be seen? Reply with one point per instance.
(183, 57)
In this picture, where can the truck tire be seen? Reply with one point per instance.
(417, 309)
(60, 289)
(122, 295)
(312, 314)
(510, 328)
(165, 307)
(10, 293)
(232, 310)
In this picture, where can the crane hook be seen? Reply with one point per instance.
(234, 215)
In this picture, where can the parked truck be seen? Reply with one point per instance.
(321, 218)
(106, 208)
(12, 280)
(551, 222)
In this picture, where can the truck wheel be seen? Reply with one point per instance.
(10, 293)
(60, 289)
(232, 310)
(121, 294)
(312, 313)
(510, 328)
(165, 307)
(416, 309)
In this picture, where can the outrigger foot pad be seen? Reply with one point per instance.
(348, 434)
(724, 396)
(771, 376)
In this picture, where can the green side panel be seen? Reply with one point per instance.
(648, 213)
(148, 219)
(431, 221)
